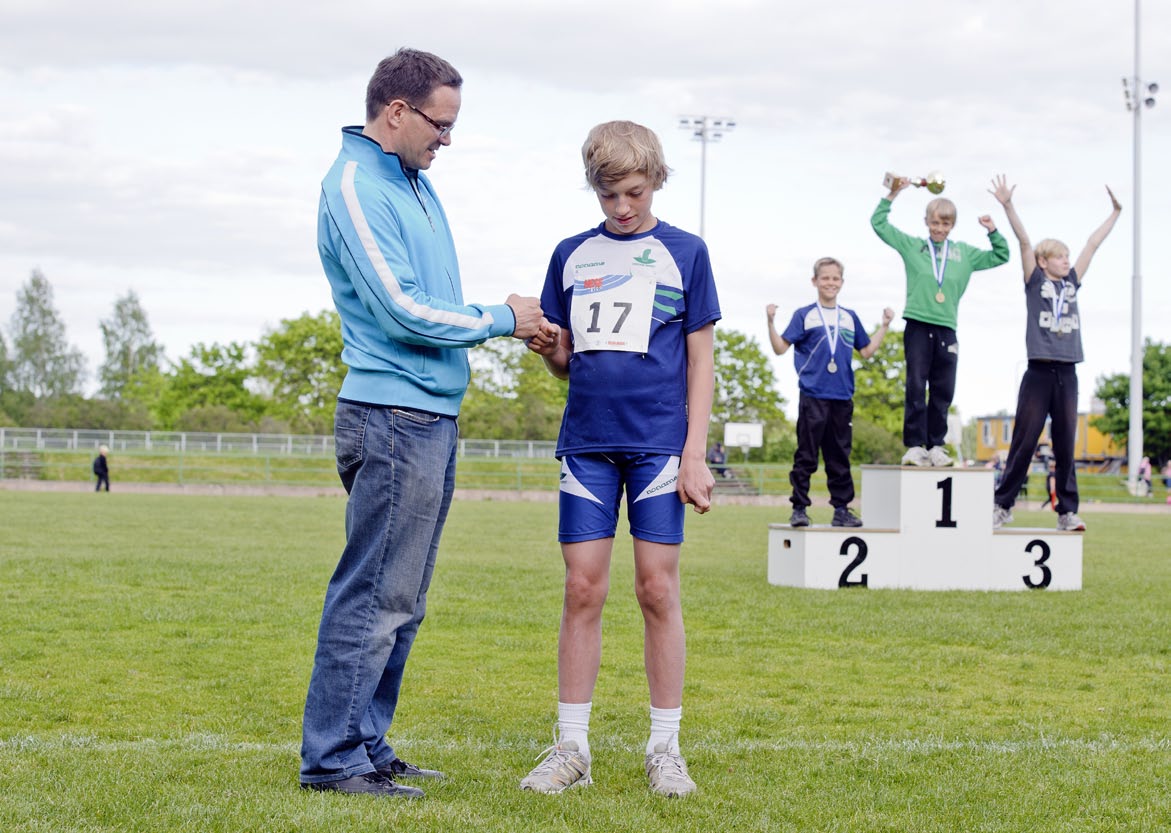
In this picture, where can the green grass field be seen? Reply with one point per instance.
(154, 652)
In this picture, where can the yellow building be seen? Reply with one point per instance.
(994, 434)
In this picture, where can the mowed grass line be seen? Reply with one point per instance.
(154, 652)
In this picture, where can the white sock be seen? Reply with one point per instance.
(573, 723)
(664, 729)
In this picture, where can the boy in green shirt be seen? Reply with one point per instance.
(938, 271)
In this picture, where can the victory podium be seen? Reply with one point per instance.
(925, 529)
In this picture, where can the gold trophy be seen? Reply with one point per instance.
(933, 182)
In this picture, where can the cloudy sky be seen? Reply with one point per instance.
(176, 149)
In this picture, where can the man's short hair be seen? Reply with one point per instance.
(616, 149)
(943, 208)
(828, 261)
(409, 75)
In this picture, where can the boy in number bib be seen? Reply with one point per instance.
(631, 307)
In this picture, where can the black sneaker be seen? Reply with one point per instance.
(401, 769)
(371, 783)
(798, 518)
(844, 517)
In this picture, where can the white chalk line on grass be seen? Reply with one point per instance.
(919, 746)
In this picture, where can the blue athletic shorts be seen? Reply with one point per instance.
(591, 493)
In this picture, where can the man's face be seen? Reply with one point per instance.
(417, 140)
(627, 204)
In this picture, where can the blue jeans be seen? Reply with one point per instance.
(398, 467)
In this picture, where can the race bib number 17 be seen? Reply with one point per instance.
(613, 313)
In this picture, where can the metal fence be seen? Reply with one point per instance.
(292, 459)
(82, 439)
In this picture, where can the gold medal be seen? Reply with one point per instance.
(939, 298)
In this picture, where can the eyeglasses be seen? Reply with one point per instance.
(443, 129)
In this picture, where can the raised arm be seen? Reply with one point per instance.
(1003, 193)
(900, 184)
(1083, 260)
(779, 344)
(876, 339)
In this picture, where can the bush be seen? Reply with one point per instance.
(875, 444)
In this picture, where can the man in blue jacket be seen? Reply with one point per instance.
(390, 259)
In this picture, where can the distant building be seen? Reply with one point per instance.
(994, 433)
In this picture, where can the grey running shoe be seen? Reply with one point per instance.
(564, 766)
(1070, 522)
(844, 517)
(798, 518)
(937, 456)
(1002, 515)
(667, 772)
(916, 456)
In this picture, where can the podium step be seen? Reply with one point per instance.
(925, 529)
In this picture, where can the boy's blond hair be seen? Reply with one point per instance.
(828, 261)
(943, 208)
(1049, 247)
(616, 149)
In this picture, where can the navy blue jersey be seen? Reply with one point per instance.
(629, 301)
(812, 354)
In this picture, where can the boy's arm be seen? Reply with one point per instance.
(998, 255)
(1003, 193)
(554, 345)
(900, 184)
(776, 339)
(1083, 260)
(695, 482)
(870, 349)
(880, 221)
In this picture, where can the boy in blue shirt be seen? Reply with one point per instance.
(825, 337)
(631, 306)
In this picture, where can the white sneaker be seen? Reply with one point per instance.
(937, 456)
(1000, 516)
(564, 766)
(1070, 522)
(916, 456)
(667, 772)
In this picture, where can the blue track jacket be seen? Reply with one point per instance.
(390, 259)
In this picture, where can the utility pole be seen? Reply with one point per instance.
(705, 129)
(1138, 97)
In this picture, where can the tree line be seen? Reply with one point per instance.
(287, 382)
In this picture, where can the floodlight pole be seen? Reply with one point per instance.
(1138, 96)
(705, 129)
